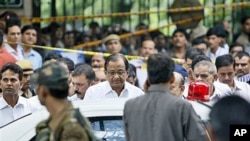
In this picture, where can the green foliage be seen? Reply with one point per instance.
(95, 7)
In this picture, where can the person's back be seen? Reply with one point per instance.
(65, 123)
(230, 110)
(158, 115)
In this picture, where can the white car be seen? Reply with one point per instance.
(105, 116)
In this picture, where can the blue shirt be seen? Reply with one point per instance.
(35, 59)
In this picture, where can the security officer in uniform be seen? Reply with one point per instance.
(65, 123)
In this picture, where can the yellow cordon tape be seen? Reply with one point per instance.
(174, 10)
(140, 32)
(91, 53)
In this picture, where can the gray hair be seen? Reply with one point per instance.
(211, 67)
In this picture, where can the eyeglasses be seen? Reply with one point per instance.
(112, 73)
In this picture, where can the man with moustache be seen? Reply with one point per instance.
(12, 106)
(26, 91)
(81, 78)
(242, 64)
(97, 61)
(65, 122)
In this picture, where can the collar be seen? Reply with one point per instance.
(159, 88)
(237, 85)
(10, 49)
(110, 90)
(4, 104)
(59, 117)
(31, 53)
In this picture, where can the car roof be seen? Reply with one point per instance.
(24, 128)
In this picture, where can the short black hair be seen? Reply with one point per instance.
(229, 110)
(218, 31)
(198, 41)
(235, 45)
(86, 70)
(191, 52)
(114, 57)
(13, 67)
(27, 27)
(242, 54)
(70, 64)
(12, 22)
(244, 19)
(52, 55)
(199, 58)
(160, 68)
(224, 61)
(183, 31)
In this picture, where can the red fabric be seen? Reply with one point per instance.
(5, 57)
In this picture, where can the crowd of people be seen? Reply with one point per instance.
(156, 82)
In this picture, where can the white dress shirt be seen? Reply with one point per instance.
(241, 89)
(220, 51)
(103, 90)
(9, 113)
(17, 54)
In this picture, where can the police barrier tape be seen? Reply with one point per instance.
(173, 10)
(91, 53)
(140, 32)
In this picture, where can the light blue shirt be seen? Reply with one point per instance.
(35, 58)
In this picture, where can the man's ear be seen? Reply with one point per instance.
(215, 76)
(172, 79)
(21, 84)
(182, 87)
(43, 91)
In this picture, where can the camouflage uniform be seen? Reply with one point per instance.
(67, 125)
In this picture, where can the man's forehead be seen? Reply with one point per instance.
(113, 41)
(201, 69)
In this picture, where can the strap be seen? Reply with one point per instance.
(204, 104)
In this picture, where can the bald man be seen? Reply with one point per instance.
(177, 87)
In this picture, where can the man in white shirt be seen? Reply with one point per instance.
(147, 48)
(13, 36)
(81, 78)
(12, 106)
(226, 74)
(206, 71)
(116, 70)
(214, 44)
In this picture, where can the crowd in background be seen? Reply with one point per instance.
(209, 54)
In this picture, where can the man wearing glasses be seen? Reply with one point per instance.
(116, 70)
(82, 78)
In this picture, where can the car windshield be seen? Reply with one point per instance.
(108, 128)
